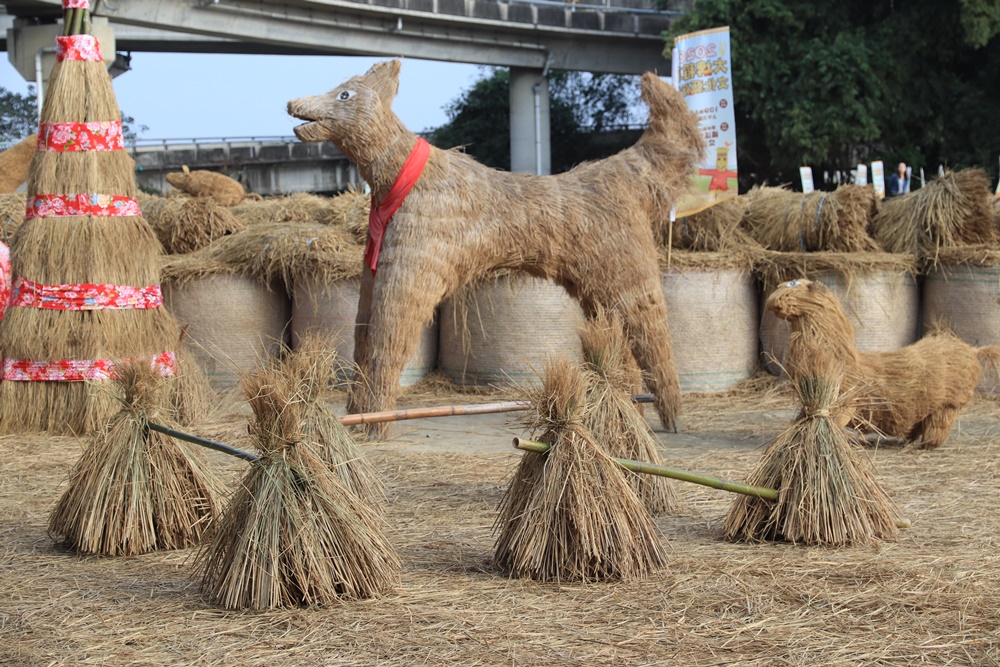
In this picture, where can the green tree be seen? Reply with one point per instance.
(581, 107)
(833, 83)
(19, 118)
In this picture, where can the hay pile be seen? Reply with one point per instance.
(14, 163)
(571, 515)
(11, 215)
(715, 229)
(828, 494)
(186, 224)
(135, 490)
(789, 221)
(774, 268)
(952, 210)
(293, 534)
(273, 251)
(213, 185)
(348, 210)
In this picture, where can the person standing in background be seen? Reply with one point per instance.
(899, 182)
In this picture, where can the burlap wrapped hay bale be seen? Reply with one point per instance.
(233, 322)
(224, 190)
(712, 306)
(331, 308)
(787, 221)
(952, 210)
(962, 294)
(502, 331)
(878, 291)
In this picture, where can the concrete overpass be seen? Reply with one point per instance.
(529, 37)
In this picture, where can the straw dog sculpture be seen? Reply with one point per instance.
(914, 393)
(590, 230)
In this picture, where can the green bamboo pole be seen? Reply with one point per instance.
(683, 475)
(204, 442)
(667, 471)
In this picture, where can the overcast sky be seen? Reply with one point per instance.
(207, 95)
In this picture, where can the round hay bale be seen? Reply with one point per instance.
(883, 306)
(964, 298)
(503, 330)
(713, 326)
(232, 321)
(323, 307)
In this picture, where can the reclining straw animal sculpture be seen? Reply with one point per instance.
(914, 394)
(590, 230)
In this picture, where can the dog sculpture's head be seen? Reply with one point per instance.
(360, 105)
(799, 298)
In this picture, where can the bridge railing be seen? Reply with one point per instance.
(221, 151)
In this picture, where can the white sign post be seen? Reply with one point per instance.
(806, 174)
(878, 178)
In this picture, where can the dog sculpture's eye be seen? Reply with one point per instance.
(345, 95)
(792, 283)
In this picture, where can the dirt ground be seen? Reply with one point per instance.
(932, 598)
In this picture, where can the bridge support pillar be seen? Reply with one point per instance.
(530, 150)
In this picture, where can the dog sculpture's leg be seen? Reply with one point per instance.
(359, 392)
(644, 312)
(396, 312)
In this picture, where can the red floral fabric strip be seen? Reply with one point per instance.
(78, 47)
(76, 4)
(6, 271)
(85, 296)
(67, 206)
(104, 135)
(75, 370)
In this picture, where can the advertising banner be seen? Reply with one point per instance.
(806, 173)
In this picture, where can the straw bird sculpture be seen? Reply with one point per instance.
(590, 230)
(915, 393)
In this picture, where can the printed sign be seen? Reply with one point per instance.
(702, 71)
(806, 173)
(861, 176)
(878, 178)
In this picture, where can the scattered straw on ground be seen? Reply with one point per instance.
(933, 597)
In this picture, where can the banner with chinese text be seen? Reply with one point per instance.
(702, 71)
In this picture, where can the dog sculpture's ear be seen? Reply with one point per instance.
(383, 78)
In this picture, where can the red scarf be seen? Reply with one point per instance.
(381, 213)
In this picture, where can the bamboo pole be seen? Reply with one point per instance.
(204, 442)
(683, 475)
(449, 411)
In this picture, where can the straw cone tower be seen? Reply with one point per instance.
(85, 263)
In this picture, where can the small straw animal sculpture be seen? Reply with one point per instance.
(590, 229)
(914, 393)
(224, 190)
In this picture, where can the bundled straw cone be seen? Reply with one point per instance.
(294, 534)
(100, 249)
(614, 419)
(571, 515)
(828, 493)
(135, 490)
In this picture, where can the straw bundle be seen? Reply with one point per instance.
(135, 490)
(293, 533)
(614, 419)
(571, 515)
(349, 210)
(57, 250)
(314, 367)
(714, 229)
(299, 207)
(11, 215)
(208, 184)
(186, 224)
(952, 210)
(14, 163)
(828, 494)
(783, 220)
